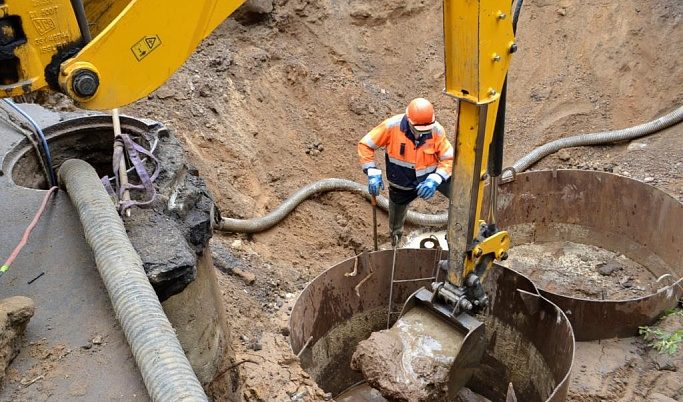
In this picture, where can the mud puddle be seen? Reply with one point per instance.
(580, 270)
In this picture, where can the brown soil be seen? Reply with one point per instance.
(580, 270)
(15, 313)
(269, 103)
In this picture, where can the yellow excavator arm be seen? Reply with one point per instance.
(135, 47)
(479, 43)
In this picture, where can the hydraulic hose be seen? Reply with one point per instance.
(82, 20)
(165, 369)
(606, 137)
(266, 222)
(515, 17)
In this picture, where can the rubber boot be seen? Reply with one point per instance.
(397, 218)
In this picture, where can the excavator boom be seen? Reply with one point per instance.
(137, 46)
(479, 43)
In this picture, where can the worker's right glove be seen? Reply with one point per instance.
(375, 183)
(427, 188)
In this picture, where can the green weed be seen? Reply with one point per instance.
(671, 312)
(663, 341)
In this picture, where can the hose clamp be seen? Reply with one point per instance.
(508, 175)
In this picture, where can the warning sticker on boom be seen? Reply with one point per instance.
(145, 46)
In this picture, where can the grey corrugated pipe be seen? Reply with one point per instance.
(165, 369)
(606, 137)
(266, 222)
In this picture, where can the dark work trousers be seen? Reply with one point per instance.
(398, 208)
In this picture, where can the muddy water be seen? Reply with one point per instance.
(581, 270)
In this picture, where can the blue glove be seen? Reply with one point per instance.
(427, 188)
(375, 183)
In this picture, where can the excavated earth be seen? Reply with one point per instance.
(280, 93)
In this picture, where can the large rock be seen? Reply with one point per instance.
(253, 11)
(171, 236)
(15, 313)
(259, 6)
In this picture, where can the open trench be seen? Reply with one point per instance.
(584, 221)
(530, 328)
(560, 221)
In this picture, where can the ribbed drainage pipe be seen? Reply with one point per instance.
(165, 369)
(606, 137)
(266, 222)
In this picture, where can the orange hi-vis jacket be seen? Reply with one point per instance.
(408, 161)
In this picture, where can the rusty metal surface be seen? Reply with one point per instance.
(530, 342)
(331, 297)
(609, 211)
(72, 305)
(537, 333)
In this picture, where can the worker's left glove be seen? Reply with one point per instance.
(375, 183)
(427, 188)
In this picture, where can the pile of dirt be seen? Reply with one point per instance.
(15, 313)
(259, 95)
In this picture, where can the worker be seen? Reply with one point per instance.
(419, 160)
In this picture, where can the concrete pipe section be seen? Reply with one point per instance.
(530, 343)
(637, 223)
(74, 331)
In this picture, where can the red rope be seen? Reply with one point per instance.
(27, 233)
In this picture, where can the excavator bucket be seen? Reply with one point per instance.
(463, 328)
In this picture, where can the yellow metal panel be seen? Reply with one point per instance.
(101, 13)
(143, 47)
(49, 26)
(477, 37)
(467, 191)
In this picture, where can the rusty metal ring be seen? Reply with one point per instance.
(432, 241)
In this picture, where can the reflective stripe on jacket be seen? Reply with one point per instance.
(408, 162)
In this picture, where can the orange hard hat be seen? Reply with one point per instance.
(420, 113)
